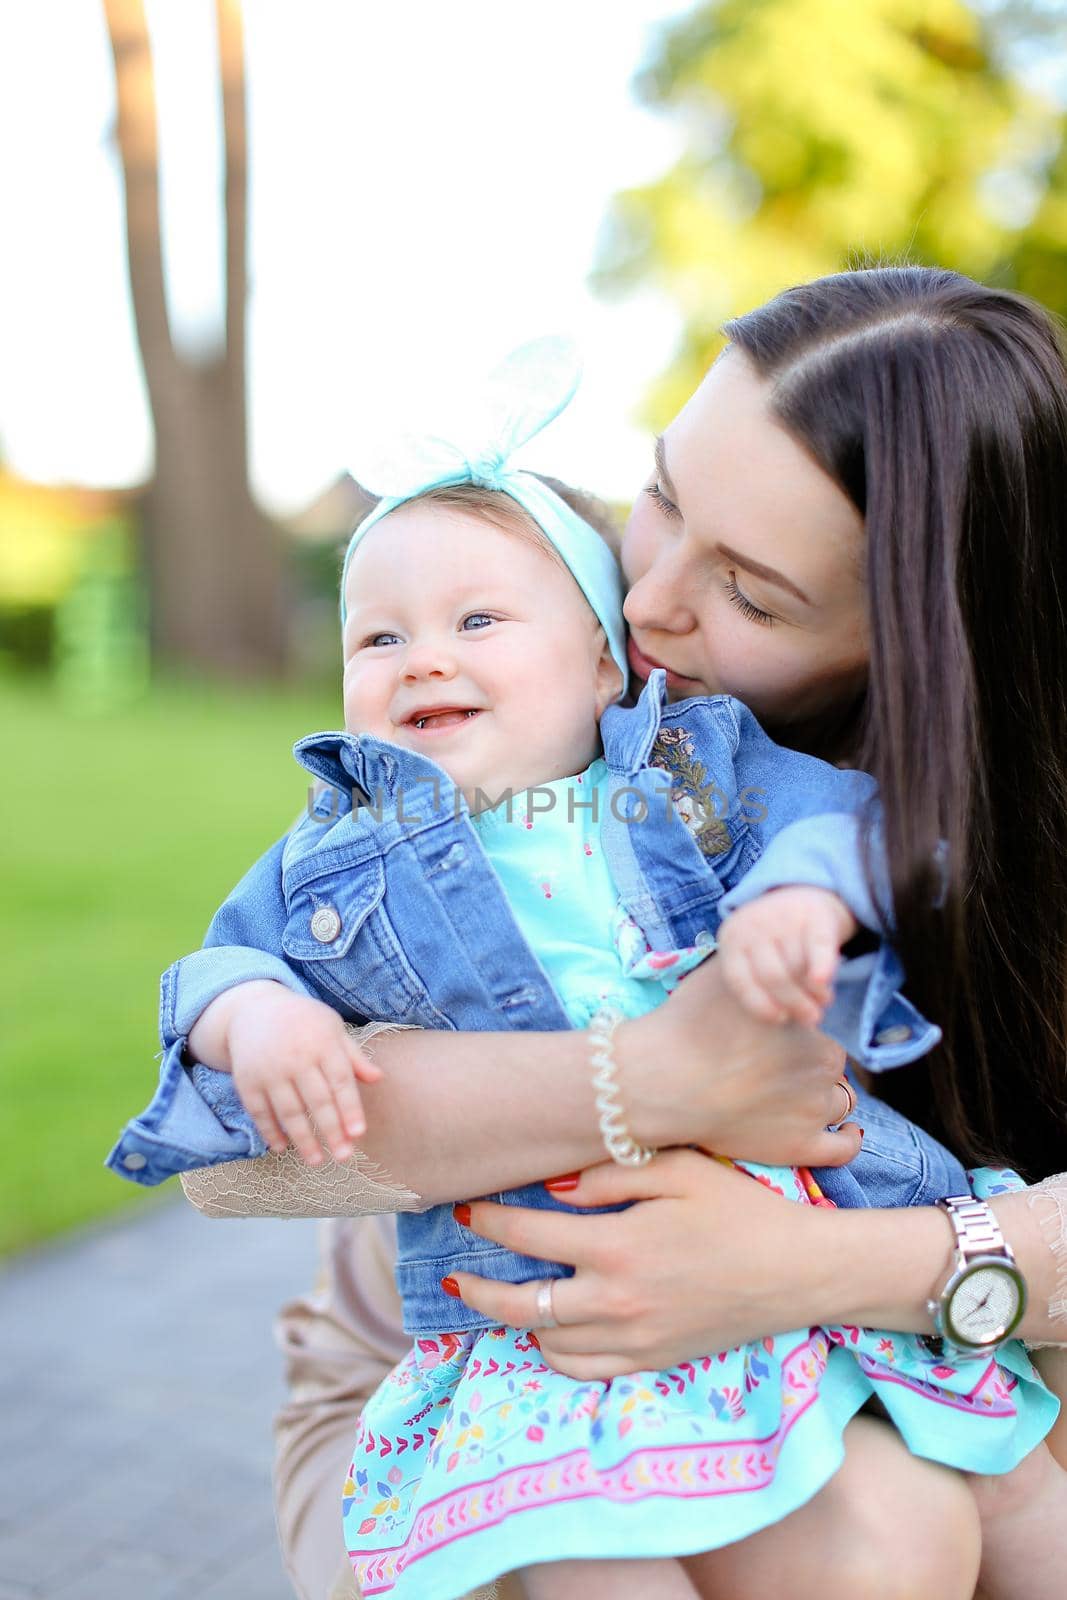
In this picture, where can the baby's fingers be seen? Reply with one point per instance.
(291, 1112)
(822, 959)
(771, 969)
(257, 1103)
(744, 982)
(347, 1119)
(362, 1065)
(320, 1086)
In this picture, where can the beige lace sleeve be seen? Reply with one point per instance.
(280, 1185)
(1048, 1201)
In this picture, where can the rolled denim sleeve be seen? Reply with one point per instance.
(195, 1118)
(871, 1018)
(822, 852)
(869, 1015)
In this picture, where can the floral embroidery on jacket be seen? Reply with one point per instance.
(697, 798)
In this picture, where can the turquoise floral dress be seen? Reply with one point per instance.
(474, 1458)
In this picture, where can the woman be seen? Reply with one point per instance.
(931, 414)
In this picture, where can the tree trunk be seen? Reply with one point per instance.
(214, 563)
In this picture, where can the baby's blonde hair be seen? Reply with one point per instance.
(501, 511)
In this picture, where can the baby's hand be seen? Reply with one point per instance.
(293, 1060)
(779, 952)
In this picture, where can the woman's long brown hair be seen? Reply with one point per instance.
(940, 407)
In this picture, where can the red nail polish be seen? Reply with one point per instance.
(566, 1180)
(450, 1286)
(462, 1214)
(861, 1130)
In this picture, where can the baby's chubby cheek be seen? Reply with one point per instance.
(357, 703)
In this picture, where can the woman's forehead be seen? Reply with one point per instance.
(741, 479)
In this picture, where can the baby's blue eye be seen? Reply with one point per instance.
(383, 638)
(479, 618)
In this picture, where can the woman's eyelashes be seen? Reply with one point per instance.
(667, 506)
(745, 606)
(733, 593)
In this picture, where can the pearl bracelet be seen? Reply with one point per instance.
(618, 1141)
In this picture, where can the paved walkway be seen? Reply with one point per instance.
(137, 1381)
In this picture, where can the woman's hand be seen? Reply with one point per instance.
(709, 1258)
(702, 1069)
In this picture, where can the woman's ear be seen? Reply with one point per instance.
(609, 679)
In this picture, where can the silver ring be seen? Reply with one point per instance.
(850, 1093)
(546, 1317)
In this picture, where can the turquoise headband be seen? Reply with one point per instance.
(524, 394)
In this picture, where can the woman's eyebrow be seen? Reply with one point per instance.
(661, 468)
(760, 571)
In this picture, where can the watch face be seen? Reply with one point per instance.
(983, 1306)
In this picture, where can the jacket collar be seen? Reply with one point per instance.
(372, 765)
(629, 732)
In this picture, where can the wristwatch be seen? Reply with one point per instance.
(983, 1301)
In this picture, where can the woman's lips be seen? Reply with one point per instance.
(644, 666)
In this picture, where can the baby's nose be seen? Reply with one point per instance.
(428, 661)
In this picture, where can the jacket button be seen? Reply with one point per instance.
(134, 1161)
(900, 1033)
(325, 925)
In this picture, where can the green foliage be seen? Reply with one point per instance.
(820, 134)
(101, 627)
(26, 636)
(122, 832)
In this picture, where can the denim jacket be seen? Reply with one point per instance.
(382, 902)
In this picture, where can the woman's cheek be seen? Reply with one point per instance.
(638, 549)
(741, 663)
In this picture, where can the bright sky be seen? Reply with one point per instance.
(428, 183)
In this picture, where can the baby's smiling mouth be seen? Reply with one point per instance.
(441, 717)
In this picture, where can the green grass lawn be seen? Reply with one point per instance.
(121, 833)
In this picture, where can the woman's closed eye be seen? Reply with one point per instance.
(745, 606)
(665, 504)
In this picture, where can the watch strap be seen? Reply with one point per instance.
(978, 1237)
(976, 1228)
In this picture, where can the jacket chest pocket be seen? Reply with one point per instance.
(339, 930)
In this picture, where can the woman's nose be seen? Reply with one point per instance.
(659, 600)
